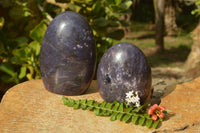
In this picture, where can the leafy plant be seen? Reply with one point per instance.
(21, 33)
(24, 56)
(27, 55)
(116, 111)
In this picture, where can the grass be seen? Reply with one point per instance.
(177, 47)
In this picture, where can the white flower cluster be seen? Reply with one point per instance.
(132, 98)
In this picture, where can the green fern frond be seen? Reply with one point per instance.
(116, 111)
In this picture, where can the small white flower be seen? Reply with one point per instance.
(137, 104)
(132, 98)
(128, 101)
(137, 98)
(129, 94)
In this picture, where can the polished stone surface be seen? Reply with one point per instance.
(68, 54)
(124, 68)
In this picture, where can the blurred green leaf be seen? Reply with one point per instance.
(126, 4)
(117, 2)
(98, 10)
(7, 68)
(83, 2)
(114, 23)
(109, 40)
(111, 2)
(22, 73)
(38, 32)
(17, 60)
(30, 75)
(26, 13)
(19, 12)
(117, 8)
(21, 40)
(117, 34)
(5, 78)
(9, 79)
(100, 32)
(35, 46)
(21, 53)
(74, 7)
(196, 11)
(14, 78)
(1, 22)
(89, 1)
(100, 22)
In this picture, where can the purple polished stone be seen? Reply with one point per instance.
(68, 55)
(123, 68)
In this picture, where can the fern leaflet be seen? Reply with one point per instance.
(116, 111)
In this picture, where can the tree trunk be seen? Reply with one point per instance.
(170, 18)
(159, 6)
(135, 2)
(192, 64)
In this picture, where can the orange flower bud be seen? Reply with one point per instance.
(150, 111)
(154, 117)
(161, 115)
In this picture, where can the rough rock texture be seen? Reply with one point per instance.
(192, 64)
(30, 107)
(183, 105)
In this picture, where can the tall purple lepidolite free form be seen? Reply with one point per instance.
(68, 55)
(122, 71)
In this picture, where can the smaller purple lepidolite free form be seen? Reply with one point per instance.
(124, 75)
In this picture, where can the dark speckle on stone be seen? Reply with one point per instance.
(107, 79)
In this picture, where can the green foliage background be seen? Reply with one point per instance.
(197, 11)
(24, 22)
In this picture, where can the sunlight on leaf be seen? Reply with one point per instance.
(22, 73)
(1, 22)
(38, 32)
